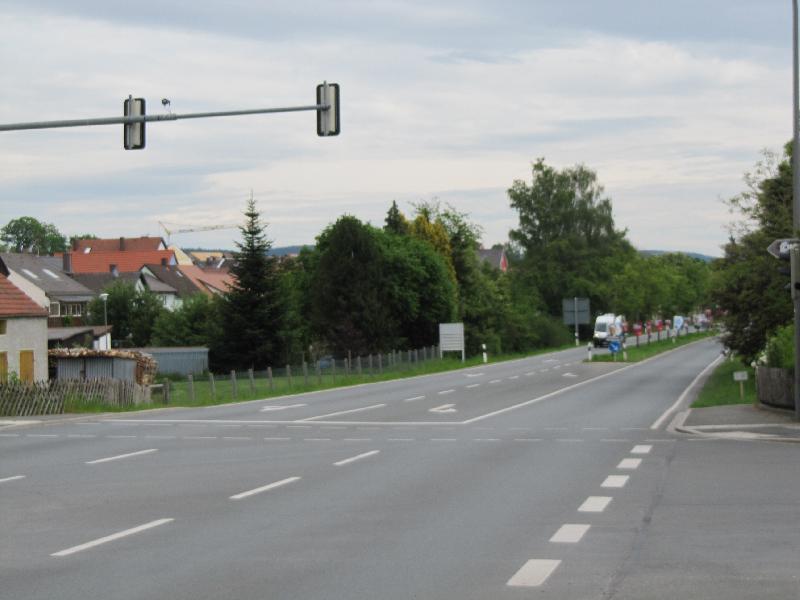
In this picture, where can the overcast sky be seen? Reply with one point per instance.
(669, 102)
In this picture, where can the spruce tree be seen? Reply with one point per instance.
(251, 312)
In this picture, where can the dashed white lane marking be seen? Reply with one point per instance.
(344, 412)
(400, 440)
(595, 504)
(203, 437)
(534, 573)
(9, 435)
(39, 435)
(514, 377)
(12, 478)
(444, 408)
(357, 439)
(277, 439)
(160, 437)
(642, 449)
(121, 456)
(265, 488)
(569, 375)
(112, 537)
(629, 463)
(316, 439)
(444, 439)
(352, 459)
(495, 381)
(615, 481)
(414, 398)
(527, 439)
(486, 440)
(570, 533)
(275, 407)
(473, 385)
(569, 440)
(530, 373)
(80, 435)
(443, 392)
(624, 440)
(595, 428)
(474, 374)
(236, 437)
(122, 437)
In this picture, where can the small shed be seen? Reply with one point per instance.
(180, 360)
(83, 363)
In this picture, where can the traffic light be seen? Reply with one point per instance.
(328, 120)
(133, 133)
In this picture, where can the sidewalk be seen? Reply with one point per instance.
(740, 421)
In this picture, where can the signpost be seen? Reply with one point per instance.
(451, 338)
(741, 377)
(576, 312)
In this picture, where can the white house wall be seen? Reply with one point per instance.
(26, 334)
(34, 292)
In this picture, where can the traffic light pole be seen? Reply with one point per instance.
(795, 251)
(151, 118)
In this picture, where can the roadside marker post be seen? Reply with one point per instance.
(741, 377)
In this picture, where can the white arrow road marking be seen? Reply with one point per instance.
(112, 537)
(414, 398)
(281, 407)
(444, 408)
(569, 375)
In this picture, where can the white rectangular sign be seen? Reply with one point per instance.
(740, 375)
(451, 338)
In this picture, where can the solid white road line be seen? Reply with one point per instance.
(414, 398)
(344, 412)
(119, 456)
(570, 533)
(281, 407)
(629, 463)
(444, 408)
(111, 538)
(13, 478)
(352, 459)
(642, 449)
(595, 504)
(658, 422)
(615, 481)
(533, 573)
(264, 488)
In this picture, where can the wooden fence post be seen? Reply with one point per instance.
(371, 372)
(234, 384)
(333, 370)
(166, 391)
(252, 380)
(269, 376)
(305, 373)
(319, 372)
(380, 362)
(289, 375)
(213, 386)
(191, 388)
(358, 364)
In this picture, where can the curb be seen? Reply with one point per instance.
(677, 426)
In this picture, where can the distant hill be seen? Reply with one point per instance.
(703, 257)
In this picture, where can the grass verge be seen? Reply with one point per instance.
(223, 391)
(720, 388)
(653, 348)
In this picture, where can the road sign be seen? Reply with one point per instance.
(740, 375)
(576, 307)
(780, 247)
(613, 346)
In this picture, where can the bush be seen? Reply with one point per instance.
(780, 348)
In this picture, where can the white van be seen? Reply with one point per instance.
(608, 326)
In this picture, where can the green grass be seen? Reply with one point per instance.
(720, 388)
(653, 348)
(223, 390)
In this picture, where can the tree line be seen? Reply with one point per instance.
(364, 288)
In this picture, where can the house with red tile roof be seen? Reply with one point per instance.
(115, 261)
(23, 333)
(122, 244)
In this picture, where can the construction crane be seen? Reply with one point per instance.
(190, 229)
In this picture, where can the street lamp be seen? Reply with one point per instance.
(104, 298)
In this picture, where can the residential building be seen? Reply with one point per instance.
(169, 282)
(122, 244)
(115, 261)
(43, 279)
(496, 257)
(23, 333)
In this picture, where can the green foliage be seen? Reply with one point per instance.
(780, 348)
(194, 323)
(567, 237)
(396, 221)
(131, 312)
(252, 311)
(746, 284)
(370, 290)
(29, 234)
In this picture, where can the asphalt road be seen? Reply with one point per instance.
(545, 477)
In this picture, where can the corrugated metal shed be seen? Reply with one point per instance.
(94, 367)
(181, 360)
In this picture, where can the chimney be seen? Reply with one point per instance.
(113, 270)
(75, 243)
(122, 243)
(67, 262)
(163, 262)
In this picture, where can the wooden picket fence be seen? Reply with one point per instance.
(18, 399)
